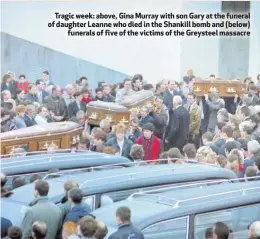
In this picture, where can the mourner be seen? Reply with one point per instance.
(181, 122)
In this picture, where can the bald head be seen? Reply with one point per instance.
(39, 230)
(254, 230)
(101, 231)
(3, 179)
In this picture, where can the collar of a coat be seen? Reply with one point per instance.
(39, 200)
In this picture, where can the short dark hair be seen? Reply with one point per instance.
(99, 89)
(221, 230)
(243, 143)
(124, 213)
(125, 80)
(3, 179)
(158, 85)
(85, 140)
(76, 195)
(230, 145)
(22, 75)
(38, 82)
(18, 181)
(46, 72)
(14, 233)
(148, 87)
(39, 229)
(83, 78)
(100, 135)
(137, 77)
(88, 226)
(245, 111)
(34, 177)
(250, 172)
(19, 91)
(193, 95)
(159, 97)
(190, 151)
(42, 187)
(228, 130)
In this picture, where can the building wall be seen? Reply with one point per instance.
(234, 51)
(22, 56)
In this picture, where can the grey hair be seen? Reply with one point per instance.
(255, 228)
(4, 92)
(68, 86)
(177, 100)
(80, 114)
(253, 147)
(243, 124)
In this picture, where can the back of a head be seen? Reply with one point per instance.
(124, 214)
(34, 177)
(221, 230)
(19, 181)
(39, 230)
(14, 233)
(69, 185)
(76, 195)
(253, 147)
(250, 173)
(3, 179)
(190, 151)
(87, 226)
(254, 230)
(42, 187)
(101, 231)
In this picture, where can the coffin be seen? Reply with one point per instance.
(138, 99)
(114, 113)
(225, 88)
(39, 137)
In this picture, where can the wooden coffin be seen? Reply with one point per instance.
(138, 99)
(114, 113)
(225, 88)
(39, 137)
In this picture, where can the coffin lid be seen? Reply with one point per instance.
(137, 97)
(107, 106)
(43, 129)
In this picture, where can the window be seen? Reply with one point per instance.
(175, 228)
(91, 201)
(237, 219)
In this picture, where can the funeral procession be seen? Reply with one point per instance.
(133, 160)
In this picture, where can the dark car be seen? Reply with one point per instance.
(106, 187)
(189, 212)
(27, 165)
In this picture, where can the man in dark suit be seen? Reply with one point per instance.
(169, 94)
(41, 93)
(29, 116)
(178, 129)
(77, 105)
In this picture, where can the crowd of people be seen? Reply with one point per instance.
(179, 127)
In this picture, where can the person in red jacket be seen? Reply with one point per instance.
(151, 144)
(23, 84)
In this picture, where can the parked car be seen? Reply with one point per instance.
(42, 163)
(188, 212)
(106, 187)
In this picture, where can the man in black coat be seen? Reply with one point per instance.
(178, 129)
(169, 94)
(77, 105)
(125, 228)
(29, 116)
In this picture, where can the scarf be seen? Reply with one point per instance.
(149, 147)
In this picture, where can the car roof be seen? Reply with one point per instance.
(45, 162)
(126, 178)
(147, 209)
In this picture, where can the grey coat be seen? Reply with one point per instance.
(42, 210)
(213, 111)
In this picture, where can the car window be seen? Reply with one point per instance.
(175, 228)
(237, 219)
(91, 201)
